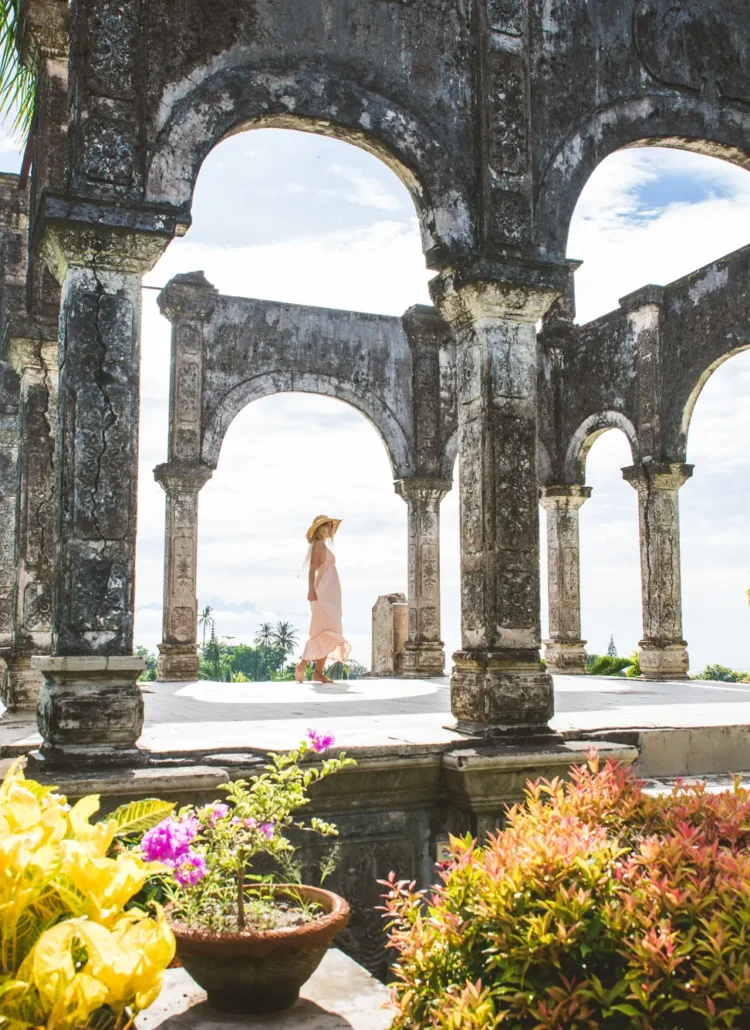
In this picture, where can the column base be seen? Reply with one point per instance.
(663, 661)
(565, 659)
(424, 659)
(177, 662)
(501, 694)
(90, 709)
(20, 684)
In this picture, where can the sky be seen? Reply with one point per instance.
(295, 217)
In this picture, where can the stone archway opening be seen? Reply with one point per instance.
(715, 521)
(621, 352)
(610, 567)
(285, 459)
(288, 216)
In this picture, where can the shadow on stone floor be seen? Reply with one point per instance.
(305, 1015)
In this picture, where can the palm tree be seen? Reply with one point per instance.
(265, 635)
(285, 637)
(206, 619)
(17, 84)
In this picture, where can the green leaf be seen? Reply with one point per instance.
(17, 84)
(139, 816)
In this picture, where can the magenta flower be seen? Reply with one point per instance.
(191, 869)
(267, 829)
(215, 813)
(320, 741)
(250, 823)
(169, 840)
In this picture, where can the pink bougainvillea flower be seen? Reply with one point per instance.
(215, 813)
(169, 840)
(320, 741)
(267, 829)
(191, 869)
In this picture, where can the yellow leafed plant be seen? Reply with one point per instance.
(71, 956)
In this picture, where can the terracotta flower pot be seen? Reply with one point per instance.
(259, 971)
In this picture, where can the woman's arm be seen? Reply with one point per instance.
(316, 560)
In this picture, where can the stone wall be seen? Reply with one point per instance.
(392, 809)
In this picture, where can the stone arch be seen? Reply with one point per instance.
(586, 435)
(226, 98)
(700, 382)
(675, 121)
(395, 440)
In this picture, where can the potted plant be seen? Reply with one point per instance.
(73, 953)
(251, 943)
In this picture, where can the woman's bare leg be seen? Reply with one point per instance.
(318, 676)
(299, 672)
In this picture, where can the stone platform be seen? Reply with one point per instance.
(691, 727)
(340, 995)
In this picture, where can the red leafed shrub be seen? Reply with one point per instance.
(596, 907)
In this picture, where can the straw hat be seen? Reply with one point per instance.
(318, 522)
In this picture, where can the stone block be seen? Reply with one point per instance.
(90, 708)
(390, 631)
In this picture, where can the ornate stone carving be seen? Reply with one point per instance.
(111, 50)
(506, 16)
(109, 150)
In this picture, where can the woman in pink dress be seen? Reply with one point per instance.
(326, 641)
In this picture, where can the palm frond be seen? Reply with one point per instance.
(17, 83)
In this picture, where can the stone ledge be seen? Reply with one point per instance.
(340, 995)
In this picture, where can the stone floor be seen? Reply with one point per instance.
(206, 716)
(341, 995)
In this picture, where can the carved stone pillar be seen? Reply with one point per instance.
(663, 652)
(424, 654)
(35, 361)
(498, 686)
(90, 706)
(8, 488)
(564, 651)
(178, 651)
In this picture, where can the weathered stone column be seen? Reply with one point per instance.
(187, 301)
(663, 652)
(90, 706)
(35, 361)
(9, 388)
(498, 686)
(424, 654)
(178, 651)
(565, 652)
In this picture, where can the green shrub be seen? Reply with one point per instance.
(609, 666)
(597, 906)
(722, 674)
(634, 668)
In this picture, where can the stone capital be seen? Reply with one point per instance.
(423, 488)
(657, 475)
(31, 354)
(172, 477)
(189, 295)
(69, 232)
(486, 291)
(43, 31)
(568, 497)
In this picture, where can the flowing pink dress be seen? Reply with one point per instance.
(326, 634)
